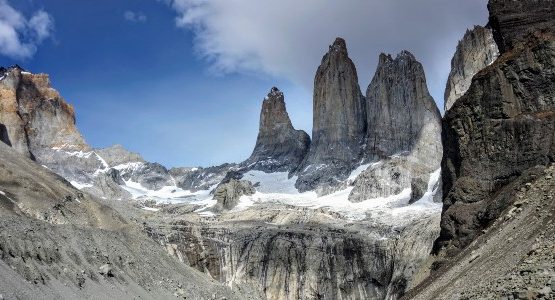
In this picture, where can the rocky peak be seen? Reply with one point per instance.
(339, 121)
(35, 115)
(117, 155)
(279, 147)
(339, 45)
(513, 21)
(398, 107)
(474, 52)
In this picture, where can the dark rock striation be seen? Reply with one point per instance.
(503, 126)
(474, 52)
(339, 121)
(279, 147)
(513, 21)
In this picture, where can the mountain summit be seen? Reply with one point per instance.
(279, 147)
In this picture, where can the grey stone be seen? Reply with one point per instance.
(228, 194)
(513, 21)
(474, 52)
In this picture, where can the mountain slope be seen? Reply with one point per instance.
(67, 244)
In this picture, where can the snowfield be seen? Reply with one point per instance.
(278, 188)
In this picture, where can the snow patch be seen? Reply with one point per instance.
(167, 194)
(150, 208)
(394, 210)
(80, 185)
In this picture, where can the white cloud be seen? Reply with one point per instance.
(287, 38)
(19, 37)
(137, 17)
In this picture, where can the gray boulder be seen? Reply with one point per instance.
(108, 185)
(196, 179)
(228, 194)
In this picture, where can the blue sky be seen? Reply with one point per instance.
(181, 81)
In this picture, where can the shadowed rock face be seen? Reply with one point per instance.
(513, 21)
(279, 147)
(503, 126)
(4, 138)
(339, 120)
(474, 52)
(398, 106)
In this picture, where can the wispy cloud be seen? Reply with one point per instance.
(19, 36)
(287, 38)
(136, 17)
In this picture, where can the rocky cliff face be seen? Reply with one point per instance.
(474, 52)
(513, 21)
(339, 121)
(300, 253)
(279, 147)
(503, 126)
(404, 131)
(35, 115)
(398, 107)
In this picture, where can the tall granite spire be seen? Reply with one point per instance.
(279, 147)
(398, 107)
(339, 120)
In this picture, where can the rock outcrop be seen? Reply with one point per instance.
(503, 126)
(339, 122)
(398, 107)
(279, 147)
(118, 155)
(513, 21)
(196, 179)
(513, 259)
(475, 51)
(228, 194)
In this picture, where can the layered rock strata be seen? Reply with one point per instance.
(513, 21)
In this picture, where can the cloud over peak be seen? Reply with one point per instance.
(19, 36)
(287, 38)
